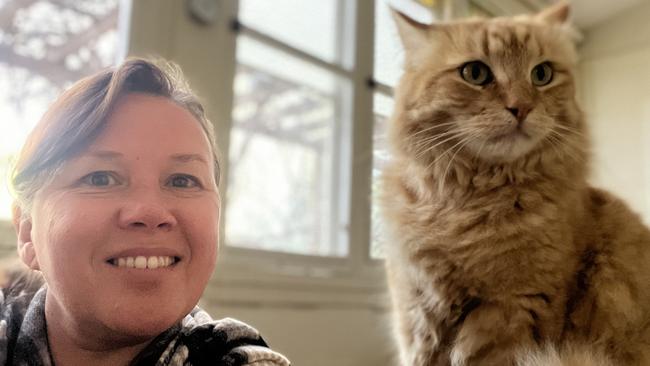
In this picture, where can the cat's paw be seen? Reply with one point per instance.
(567, 356)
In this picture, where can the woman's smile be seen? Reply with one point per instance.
(145, 258)
(142, 262)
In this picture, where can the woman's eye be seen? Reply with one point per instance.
(183, 181)
(542, 74)
(100, 179)
(476, 73)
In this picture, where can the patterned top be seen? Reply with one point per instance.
(197, 340)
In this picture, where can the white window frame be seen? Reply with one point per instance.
(357, 270)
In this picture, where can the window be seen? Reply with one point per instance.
(302, 161)
(283, 154)
(288, 173)
(44, 47)
(299, 169)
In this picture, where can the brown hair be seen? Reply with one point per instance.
(79, 115)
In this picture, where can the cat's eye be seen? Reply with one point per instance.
(542, 74)
(476, 73)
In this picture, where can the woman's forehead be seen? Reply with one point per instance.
(152, 125)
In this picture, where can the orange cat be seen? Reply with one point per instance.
(499, 251)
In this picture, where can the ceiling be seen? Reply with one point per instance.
(588, 13)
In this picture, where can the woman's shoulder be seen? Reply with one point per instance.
(241, 343)
(201, 340)
(18, 285)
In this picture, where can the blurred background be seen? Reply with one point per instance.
(299, 92)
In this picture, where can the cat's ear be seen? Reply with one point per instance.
(555, 14)
(414, 35)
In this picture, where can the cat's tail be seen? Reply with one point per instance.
(566, 356)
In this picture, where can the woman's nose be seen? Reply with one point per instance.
(146, 215)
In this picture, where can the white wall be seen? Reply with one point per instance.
(615, 91)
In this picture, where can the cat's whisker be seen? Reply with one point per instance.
(455, 130)
(430, 128)
(418, 135)
(552, 142)
(478, 153)
(444, 176)
(571, 150)
(441, 155)
(432, 164)
(570, 130)
(429, 149)
(431, 139)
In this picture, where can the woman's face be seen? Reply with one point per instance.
(142, 195)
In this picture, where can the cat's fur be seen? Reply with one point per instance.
(498, 248)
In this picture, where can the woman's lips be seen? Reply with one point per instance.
(142, 262)
(145, 258)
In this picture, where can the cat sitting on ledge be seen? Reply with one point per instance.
(499, 252)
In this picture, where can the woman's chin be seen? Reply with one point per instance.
(142, 326)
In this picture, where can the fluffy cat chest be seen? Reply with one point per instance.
(497, 246)
(499, 216)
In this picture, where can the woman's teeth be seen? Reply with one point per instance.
(141, 262)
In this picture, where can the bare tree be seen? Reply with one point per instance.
(300, 120)
(45, 45)
(58, 40)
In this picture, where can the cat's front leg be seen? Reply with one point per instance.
(425, 349)
(419, 342)
(492, 334)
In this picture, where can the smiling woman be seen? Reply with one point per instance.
(118, 185)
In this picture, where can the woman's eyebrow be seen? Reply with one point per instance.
(104, 154)
(185, 158)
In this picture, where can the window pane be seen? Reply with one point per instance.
(310, 26)
(44, 47)
(281, 173)
(389, 54)
(383, 108)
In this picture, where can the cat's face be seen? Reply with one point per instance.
(495, 89)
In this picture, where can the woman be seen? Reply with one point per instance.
(117, 205)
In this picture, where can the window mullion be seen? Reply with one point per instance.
(226, 43)
(361, 127)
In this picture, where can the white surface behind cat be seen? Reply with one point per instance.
(615, 94)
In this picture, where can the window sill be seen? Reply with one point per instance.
(312, 282)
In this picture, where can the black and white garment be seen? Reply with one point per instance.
(198, 340)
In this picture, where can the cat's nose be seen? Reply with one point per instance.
(519, 112)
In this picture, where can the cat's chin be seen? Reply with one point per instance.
(505, 148)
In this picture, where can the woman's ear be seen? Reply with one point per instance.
(23, 226)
